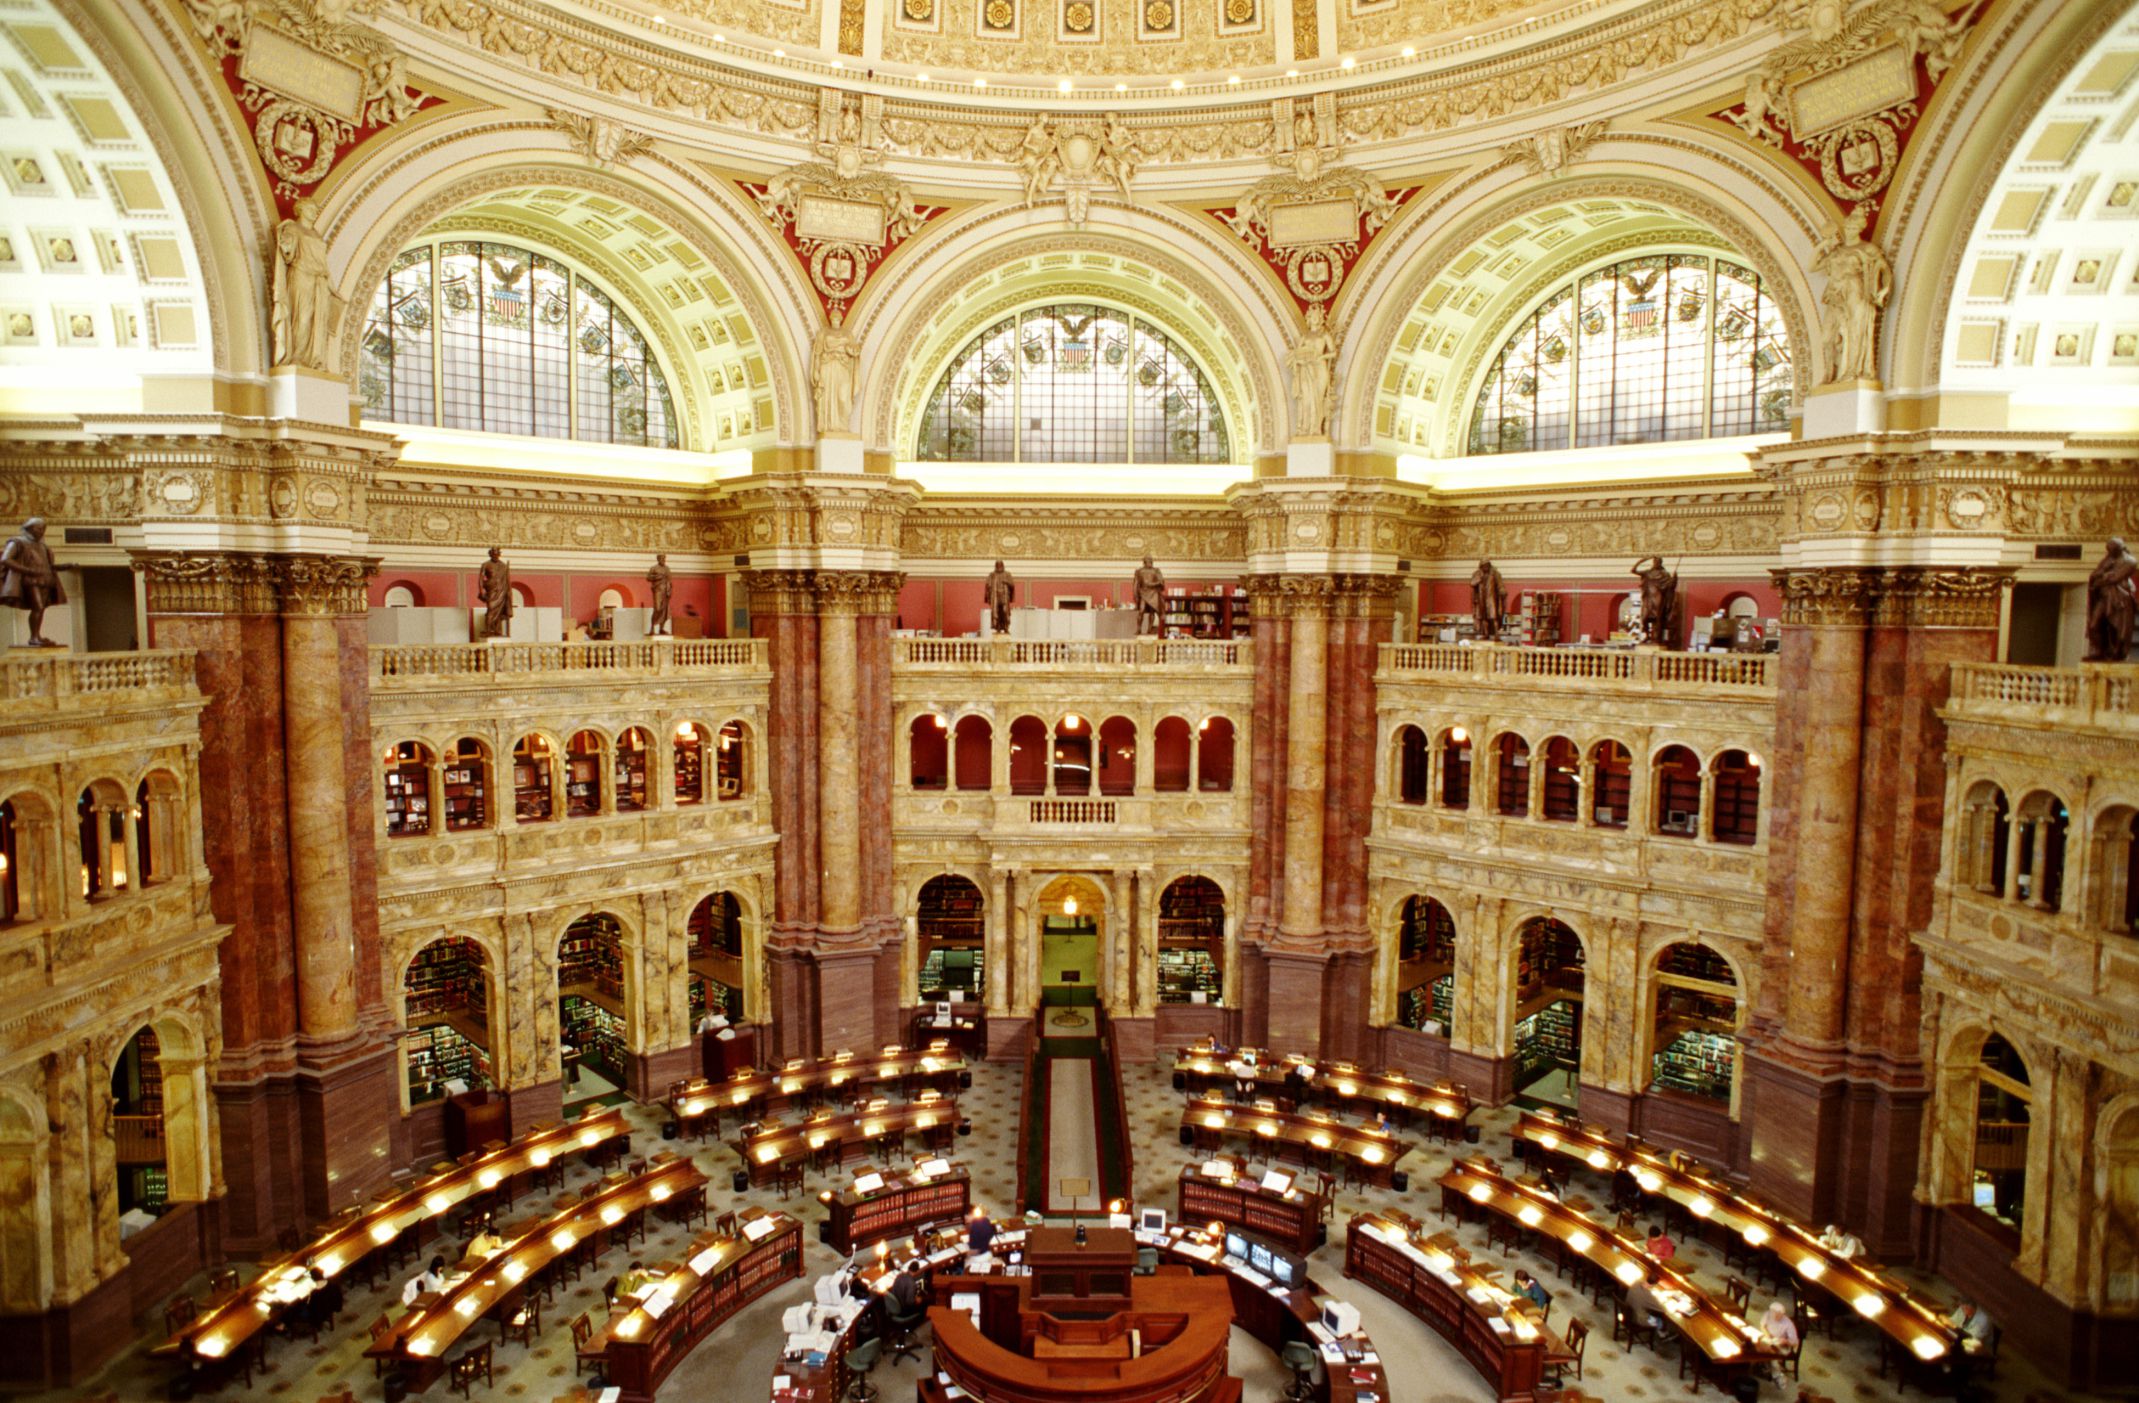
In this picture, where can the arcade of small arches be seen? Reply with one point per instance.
(2029, 855)
(127, 837)
(1672, 793)
(1076, 756)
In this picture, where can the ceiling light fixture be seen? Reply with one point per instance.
(980, 82)
(1347, 61)
(1178, 85)
(920, 77)
(1292, 73)
(1065, 86)
(1234, 79)
(1409, 51)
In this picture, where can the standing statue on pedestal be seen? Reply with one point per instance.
(494, 588)
(1488, 601)
(1659, 600)
(1859, 281)
(1150, 586)
(664, 587)
(2110, 604)
(838, 353)
(1311, 363)
(999, 591)
(30, 580)
(302, 305)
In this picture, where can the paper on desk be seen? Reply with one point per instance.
(611, 1395)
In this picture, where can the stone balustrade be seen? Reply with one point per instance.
(2096, 695)
(428, 663)
(1612, 669)
(1071, 655)
(39, 676)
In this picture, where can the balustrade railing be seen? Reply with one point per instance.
(1072, 811)
(2101, 694)
(1070, 653)
(1617, 668)
(447, 660)
(29, 676)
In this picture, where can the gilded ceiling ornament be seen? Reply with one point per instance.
(1158, 15)
(999, 14)
(1079, 155)
(1239, 11)
(1843, 99)
(1078, 17)
(1551, 152)
(841, 226)
(920, 11)
(1310, 223)
(602, 142)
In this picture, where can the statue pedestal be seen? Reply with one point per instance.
(1310, 457)
(1846, 407)
(299, 392)
(839, 453)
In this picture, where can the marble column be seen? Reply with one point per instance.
(319, 849)
(1306, 741)
(996, 973)
(838, 778)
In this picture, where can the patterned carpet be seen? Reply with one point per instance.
(738, 1361)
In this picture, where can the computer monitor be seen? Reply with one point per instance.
(1259, 1257)
(1236, 1245)
(1340, 1317)
(1283, 1271)
(1152, 1220)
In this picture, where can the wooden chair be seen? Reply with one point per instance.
(1740, 1292)
(588, 1362)
(632, 1226)
(523, 1324)
(789, 1178)
(1629, 1326)
(472, 1361)
(1327, 1192)
(1577, 1341)
(1789, 1361)
(179, 1312)
(223, 1281)
(382, 1332)
(725, 1225)
(828, 1157)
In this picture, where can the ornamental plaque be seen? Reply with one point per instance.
(850, 221)
(1881, 79)
(274, 60)
(1313, 222)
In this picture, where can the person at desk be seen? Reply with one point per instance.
(636, 1278)
(1528, 1285)
(1661, 1246)
(1843, 1244)
(906, 1287)
(430, 1281)
(712, 1021)
(1244, 1084)
(484, 1245)
(1973, 1322)
(980, 1232)
(1641, 1296)
(1299, 1083)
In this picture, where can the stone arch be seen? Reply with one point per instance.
(973, 268)
(2117, 1200)
(38, 868)
(188, 1111)
(750, 958)
(25, 1203)
(473, 162)
(1511, 982)
(1696, 180)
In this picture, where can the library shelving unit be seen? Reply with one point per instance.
(1698, 1063)
(1547, 1040)
(1537, 619)
(949, 920)
(447, 997)
(531, 778)
(1220, 611)
(1696, 1022)
(583, 776)
(690, 765)
(590, 1004)
(1191, 942)
(467, 776)
(408, 791)
(894, 1210)
(632, 791)
(1446, 628)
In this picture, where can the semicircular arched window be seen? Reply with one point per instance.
(1073, 382)
(1650, 349)
(493, 337)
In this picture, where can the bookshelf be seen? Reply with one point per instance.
(1446, 628)
(1678, 795)
(949, 920)
(1511, 790)
(728, 761)
(729, 998)
(590, 986)
(1455, 773)
(1697, 1063)
(583, 776)
(1535, 620)
(896, 1210)
(631, 757)
(1737, 801)
(690, 765)
(1547, 1040)
(408, 791)
(641, 1355)
(531, 779)
(137, 1088)
(1220, 611)
(716, 926)
(1612, 783)
(446, 996)
(1191, 942)
(595, 1033)
(467, 774)
(1551, 958)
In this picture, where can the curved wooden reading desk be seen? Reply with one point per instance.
(1169, 1346)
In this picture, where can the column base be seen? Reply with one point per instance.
(1009, 1037)
(258, 1124)
(340, 1112)
(1796, 1152)
(1295, 1001)
(1135, 1039)
(651, 1073)
(1701, 1127)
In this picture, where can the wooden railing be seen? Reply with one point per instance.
(2102, 694)
(138, 1139)
(1070, 653)
(1735, 673)
(435, 660)
(28, 676)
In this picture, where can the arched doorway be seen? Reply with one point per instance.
(1694, 1035)
(1071, 915)
(1426, 966)
(1547, 1043)
(1191, 950)
(2004, 1102)
(2120, 1210)
(593, 1018)
(715, 927)
(137, 1126)
(950, 926)
(446, 1000)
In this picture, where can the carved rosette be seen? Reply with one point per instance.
(324, 585)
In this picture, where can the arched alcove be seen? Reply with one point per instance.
(594, 1004)
(1693, 1036)
(447, 1003)
(1546, 1005)
(1426, 966)
(1192, 955)
(717, 957)
(950, 920)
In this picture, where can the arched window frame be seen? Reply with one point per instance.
(1756, 400)
(1031, 350)
(403, 322)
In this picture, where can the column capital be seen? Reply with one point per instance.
(858, 591)
(207, 582)
(1909, 596)
(324, 585)
(1343, 595)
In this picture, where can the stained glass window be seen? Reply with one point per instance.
(1651, 349)
(483, 335)
(1075, 382)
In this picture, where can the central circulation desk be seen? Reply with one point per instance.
(886, 1205)
(1292, 1218)
(641, 1347)
(1499, 1332)
(1168, 1345)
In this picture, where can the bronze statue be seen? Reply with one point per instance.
(1150, 585)
(1488, 601)
(999, 592)
(494, 588)
(664, 587)
(1659, 601)
(2110, 605)
(29, 579)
